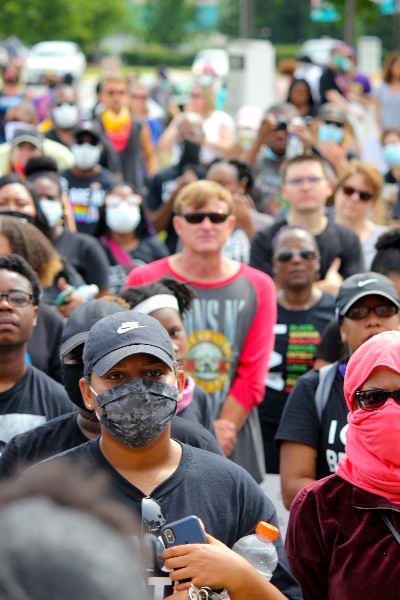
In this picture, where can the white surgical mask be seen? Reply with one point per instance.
(52, 210)
(122, 218)
(65, 115)
(86, 156)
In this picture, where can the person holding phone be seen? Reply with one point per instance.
(132, 382)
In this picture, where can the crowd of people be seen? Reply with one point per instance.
(191, 303)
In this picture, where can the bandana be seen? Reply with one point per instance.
(117, 127)
(372, 460)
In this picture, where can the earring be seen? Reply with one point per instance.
(89, 406)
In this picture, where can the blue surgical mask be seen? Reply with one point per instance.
(270, 154)
(330, 133)
(391, 154)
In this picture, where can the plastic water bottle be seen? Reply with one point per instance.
(294, 145)
(88, 292)
(259, 548)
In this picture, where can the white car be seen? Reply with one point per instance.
(319, 50)
(211, 61)
(54, 58)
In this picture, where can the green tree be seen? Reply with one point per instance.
(168, 21)
(82, 21)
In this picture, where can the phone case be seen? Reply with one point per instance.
(184, 531)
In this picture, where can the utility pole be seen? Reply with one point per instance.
(246, 19)
(349, 34)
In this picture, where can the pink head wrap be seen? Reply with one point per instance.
(372, 459)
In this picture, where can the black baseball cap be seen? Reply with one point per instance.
(82, 319)
(365, 284)
(88, 127)
(124, 334)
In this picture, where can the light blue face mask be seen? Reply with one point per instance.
(391, 154)
(270, 154)
(330, 133)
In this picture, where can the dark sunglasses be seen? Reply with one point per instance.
(153, 517)
(374, 399)
(92, 143)
(364, 196)
(196, 218)
(356, 313)
(285, 255)
(335, 123)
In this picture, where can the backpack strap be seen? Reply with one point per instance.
(326, 378)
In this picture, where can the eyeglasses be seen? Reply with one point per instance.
(115, 92)
(196, 218)
(17, 298)
(114, 200)
(364, 196)
(335, 123)
(153, 517)
(300, 180)
(374, 399)
(356, 313)
(139, 97)
(286, 254)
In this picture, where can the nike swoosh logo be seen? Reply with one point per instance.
(128, 326)
(366, 281)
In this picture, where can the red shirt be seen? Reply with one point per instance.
(338, 546)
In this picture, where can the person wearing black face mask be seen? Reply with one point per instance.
(132, 381)
(165, 185)
(79, 426)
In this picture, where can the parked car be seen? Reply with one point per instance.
(214, 61)
(54, 58)
(319, 50)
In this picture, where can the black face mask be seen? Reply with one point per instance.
(19, 215)
(190, 153)
(71, 374)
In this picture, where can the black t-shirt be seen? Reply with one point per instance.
(297, 334)
(331, 347)
(44, 344)
(161, 186)
(328, 81)
(334, 241)
(148, 250)
(222, 494)
(86, 255)
(34, 399)
(86, 195)
(62, 433)
(300, 421)
(200, 410)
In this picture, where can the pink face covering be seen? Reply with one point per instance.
(372, 459)
(188, 391)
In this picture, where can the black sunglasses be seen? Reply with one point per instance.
(356, 313)
(285, 255)
(153, 517)
(364, 196)
(374, 399)
(196, 218)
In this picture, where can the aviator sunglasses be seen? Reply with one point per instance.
(286, 254)
(348, 190)
(153, 517)
(374, 399)
(196, 218)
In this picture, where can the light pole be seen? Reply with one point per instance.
(246, 28)
(349, 33)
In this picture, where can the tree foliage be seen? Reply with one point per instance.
(81, 21)
(286, 21)
(168, 21)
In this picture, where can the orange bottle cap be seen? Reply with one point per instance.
(267, 529)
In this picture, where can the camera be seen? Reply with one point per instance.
(282, 123)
